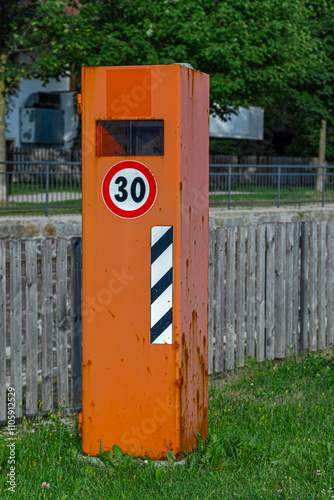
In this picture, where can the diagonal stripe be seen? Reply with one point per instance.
(161, 326)
(162, 265)
(161, 305)
(166, 337)
(160, 246)
(157, 232)
(161, 286)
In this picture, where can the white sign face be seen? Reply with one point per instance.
(129, 189)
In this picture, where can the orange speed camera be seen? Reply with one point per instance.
(145, 258)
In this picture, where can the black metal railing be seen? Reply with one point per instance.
(250, 185)
(40, 185)
(45, 185)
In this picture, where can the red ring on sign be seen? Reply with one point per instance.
(153, 190)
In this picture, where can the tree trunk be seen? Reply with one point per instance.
(322, 155)
(3, 193)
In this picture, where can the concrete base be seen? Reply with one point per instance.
(97, 462)
(263, 215)
(21, 227)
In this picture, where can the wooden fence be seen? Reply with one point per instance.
(40, 324)
(271, 292)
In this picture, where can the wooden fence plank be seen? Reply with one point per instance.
(330, 284)
(322, 286)
(260, 291)
(62, 355)
(220, 303)
(3, 398)
(250, 294)
(289, 282)
(230, 299)
(280, 251)
(216, 296)
(240, 296)
(31, 326)
(47, 325)
(211, 300)
(304, 286)
(16, 323)
(313, 278)
(76, 285)
(296, 284)
(270, 292)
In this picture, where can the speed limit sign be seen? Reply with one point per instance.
(129, 189)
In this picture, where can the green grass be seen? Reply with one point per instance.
(257, 195)
(20, 189)
(271, 436)
(55, 208)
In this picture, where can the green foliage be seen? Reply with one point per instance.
(117, 459)
(33, 40)
(270, 53)
(313, 95)
(250, 49)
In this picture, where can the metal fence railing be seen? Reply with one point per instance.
(40, 185)
(249, 185)
(44, 185)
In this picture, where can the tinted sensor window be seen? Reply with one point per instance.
(130, 137)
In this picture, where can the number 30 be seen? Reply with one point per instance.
(137, 189)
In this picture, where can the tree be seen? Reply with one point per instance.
(250, 48)
(257, 52)
(309, 101)
(40, 30)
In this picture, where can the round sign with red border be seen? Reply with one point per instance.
(129, 189)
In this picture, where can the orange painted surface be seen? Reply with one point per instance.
(145, 398)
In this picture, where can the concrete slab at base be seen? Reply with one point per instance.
(25, 227)
(97, 462)
(263, 215)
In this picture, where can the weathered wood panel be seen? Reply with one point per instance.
(62, 357)
(313, 278)
(212, 235)
(240, 296)
(230, 299)
(260, 292)
(3, 395)
(270, 292)
(289, 281)
(219, 298)
(296, 288)
(76, 321)
(47, 326)
(31, 327)
(322, 286)
(250, 294)
(304, 286)
(16, 323)
(330, 284)
(280, 250)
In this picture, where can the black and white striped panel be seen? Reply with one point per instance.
(161, 285)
